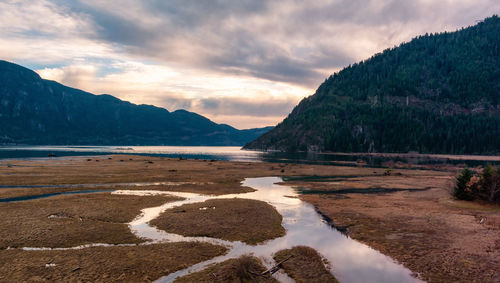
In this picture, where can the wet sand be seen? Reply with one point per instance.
(420, 225)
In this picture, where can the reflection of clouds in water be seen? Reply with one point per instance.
(350, 260)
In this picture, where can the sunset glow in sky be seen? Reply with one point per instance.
(244, 63)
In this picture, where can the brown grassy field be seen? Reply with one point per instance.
(103, 264)
(77, 170)
(420, 225)
(245, 220)
(71, 220)
(304, 265)
(245, 269)
(444, 240)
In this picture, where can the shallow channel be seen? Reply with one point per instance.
(101, 185)
(31, 197)
(350, 260)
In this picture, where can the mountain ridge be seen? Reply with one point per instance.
(38, 111)
(437, 93)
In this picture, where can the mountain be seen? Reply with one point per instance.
(438, 93)
(38, 111)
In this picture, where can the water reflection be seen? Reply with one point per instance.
(351, 261)
(233, 153)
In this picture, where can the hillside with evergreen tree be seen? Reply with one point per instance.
(438, 93)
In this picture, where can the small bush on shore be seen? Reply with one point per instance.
(461, 189)
(483, 186)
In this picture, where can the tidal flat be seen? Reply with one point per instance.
(414, 220)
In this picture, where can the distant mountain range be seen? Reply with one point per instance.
(438, 93)
(38, 111)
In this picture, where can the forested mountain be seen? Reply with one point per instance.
(37, 111)
(438, 93)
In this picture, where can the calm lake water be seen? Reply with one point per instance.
(236, 154)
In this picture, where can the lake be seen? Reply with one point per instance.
(232, 153)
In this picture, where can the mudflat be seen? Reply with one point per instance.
(406, 214)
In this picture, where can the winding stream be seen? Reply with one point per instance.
(350, 260)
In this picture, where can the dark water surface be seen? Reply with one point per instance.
(232, 153)
(30, 197)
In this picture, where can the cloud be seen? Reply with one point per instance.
(77, 76)
(247, 122)
(285, 41)
(166, 87)
(42, 19)
(219, 57)
(249, 107)
(239, 112)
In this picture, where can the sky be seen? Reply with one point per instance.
(245, 63)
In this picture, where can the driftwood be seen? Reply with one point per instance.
(277, 267)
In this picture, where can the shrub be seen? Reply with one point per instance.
(484, 186)
(489, 188)
(461, 186)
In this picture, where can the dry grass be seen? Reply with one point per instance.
(83, 219)
(77, 170)
(399, 179)
(244, 220)
(472, 205)
(305, 265)
(244, 269)
(210, 189)
(443, 243)
(110, 264)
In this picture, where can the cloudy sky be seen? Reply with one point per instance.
(245, 63)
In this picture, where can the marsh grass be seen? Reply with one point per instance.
(246, 220)
(245, 269)
(305, 265)
(91, 218)
(143, 263)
